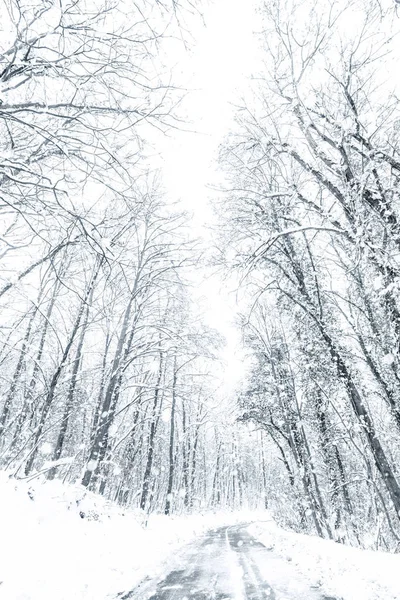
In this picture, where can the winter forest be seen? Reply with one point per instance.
(114, 376)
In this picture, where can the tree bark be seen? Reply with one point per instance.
(171, 468)
(151, 441)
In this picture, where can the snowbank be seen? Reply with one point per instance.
(339, 571)
(58, 542)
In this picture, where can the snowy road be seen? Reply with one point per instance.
(229, 564)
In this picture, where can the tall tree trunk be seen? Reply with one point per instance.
(100, 395)
(17, 373)
(151, 441)
(357, 403)
(54, 380)
(366, 423)
(27, 412)
(74, 379)
(329, 456)
(216, 485)
(171, 468)
(193, 468)
(185, 456)
(100, 439)
(264, 472)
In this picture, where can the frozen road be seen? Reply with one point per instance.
(229, 564)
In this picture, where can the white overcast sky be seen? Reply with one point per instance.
(215, 71)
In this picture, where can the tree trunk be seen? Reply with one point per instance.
(151, 442)
(74, 379)
(17, 374)
(54, 380)
(100, 439)
(366, 424)
(28, 408)
(171, 469)
(185, 456)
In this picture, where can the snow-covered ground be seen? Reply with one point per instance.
(49, 552)
(338, 571)
(60, 543)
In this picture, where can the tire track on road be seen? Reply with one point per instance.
(224, 565)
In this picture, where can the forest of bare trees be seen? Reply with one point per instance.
(314, 171)
(107, 365)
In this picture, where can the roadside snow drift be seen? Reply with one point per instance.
(59, 542)
(338, 571)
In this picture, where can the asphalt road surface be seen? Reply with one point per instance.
(228, 564)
